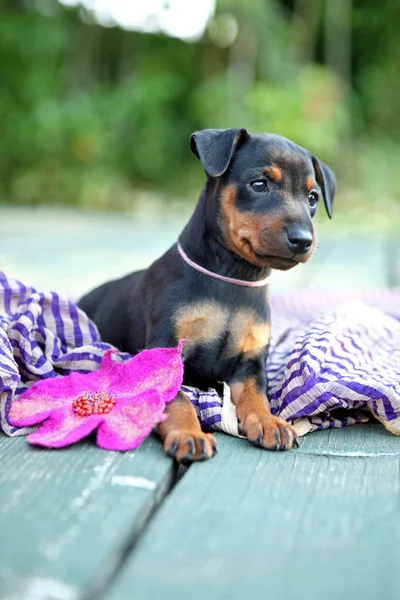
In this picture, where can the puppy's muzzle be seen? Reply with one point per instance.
(298, 239)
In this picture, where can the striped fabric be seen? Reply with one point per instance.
(333, 361)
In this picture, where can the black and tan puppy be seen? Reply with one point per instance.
(254, 214)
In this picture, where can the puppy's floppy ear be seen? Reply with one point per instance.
(216, 147)
(327, 182)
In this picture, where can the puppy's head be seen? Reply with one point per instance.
(268, 192)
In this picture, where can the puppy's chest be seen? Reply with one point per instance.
(220, 332)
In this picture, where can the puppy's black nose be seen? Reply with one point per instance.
(299, 240)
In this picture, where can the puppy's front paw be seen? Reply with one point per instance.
(267, 431)
(190, 446)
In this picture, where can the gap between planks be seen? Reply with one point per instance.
(114, 566)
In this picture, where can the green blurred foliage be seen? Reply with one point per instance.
(89, 115)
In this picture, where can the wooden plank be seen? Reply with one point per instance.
(368, 441)
(68, 517)
(136, 240)
(140, 238)
(285, 526)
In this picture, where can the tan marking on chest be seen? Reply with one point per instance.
(202, 322)
(250, 335)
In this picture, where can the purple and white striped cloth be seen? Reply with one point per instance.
(333, 361)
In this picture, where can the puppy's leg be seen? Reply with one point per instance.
(182, 435)
(255, 419)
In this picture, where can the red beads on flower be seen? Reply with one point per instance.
(93, 403)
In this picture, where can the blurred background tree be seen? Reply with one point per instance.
(98, 98)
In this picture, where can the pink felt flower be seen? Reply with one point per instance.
(123, 401)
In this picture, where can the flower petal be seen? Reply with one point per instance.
(25, 413)
(158, 368)
(65, 387)
(132, 423)
(45, 397)
(64, 429)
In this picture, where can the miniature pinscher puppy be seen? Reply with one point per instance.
(254, 214)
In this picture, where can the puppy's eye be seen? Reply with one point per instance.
(313, 199)
(259, 185)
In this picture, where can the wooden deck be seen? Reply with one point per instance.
(85, 524)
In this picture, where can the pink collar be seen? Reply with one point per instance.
(221, 277)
